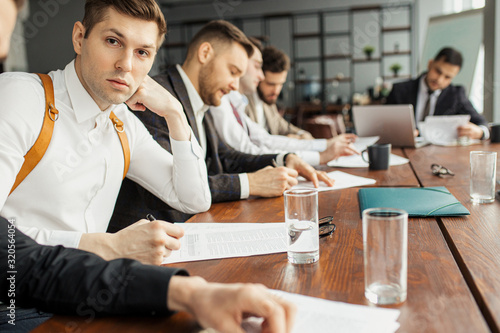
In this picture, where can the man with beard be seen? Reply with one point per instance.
(433, 94)
(216, 59)
(262, 107)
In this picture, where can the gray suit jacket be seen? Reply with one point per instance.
(223, 163)
(277, 125)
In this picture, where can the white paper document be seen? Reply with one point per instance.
(362, 143)
(355, 161)
(442, 130)
(342, 180)
(204, 241)
(323, 316)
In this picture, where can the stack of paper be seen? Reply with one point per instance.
(204, 241)
(342, 180)
(322, 316)
(442, 130)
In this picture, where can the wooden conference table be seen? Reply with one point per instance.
(453, 263)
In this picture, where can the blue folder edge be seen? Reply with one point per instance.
(449, 205)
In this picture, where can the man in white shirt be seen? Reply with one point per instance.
(243, 134)
(69, 196)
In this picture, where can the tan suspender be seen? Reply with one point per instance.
(118, 124)
(35, 154)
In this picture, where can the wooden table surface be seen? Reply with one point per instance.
(453, 263)
(475, 239)
(454, 158)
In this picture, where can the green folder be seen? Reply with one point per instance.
(417, 201)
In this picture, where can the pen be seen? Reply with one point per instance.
(150, 217)
(275, 164)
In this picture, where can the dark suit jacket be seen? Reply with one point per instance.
(67, 281)
(452, 100)
(223, 163)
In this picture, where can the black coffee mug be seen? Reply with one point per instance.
(495, 133)
(378, 156)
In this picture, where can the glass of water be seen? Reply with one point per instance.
(301, 220)
(483, 170)
(385, 250)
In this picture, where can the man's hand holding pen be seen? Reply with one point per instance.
(148, 240)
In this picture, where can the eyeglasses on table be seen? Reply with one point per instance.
(441, 171)
(326, 227)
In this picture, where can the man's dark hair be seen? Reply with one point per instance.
(19, 3)
(275, 61)
(450, 56)
(219, 32)
(257, 43)
(147, 10)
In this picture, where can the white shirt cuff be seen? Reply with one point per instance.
(244, 185)
(280, 159)
(486, 132)
(311, 157)
(66, 238)
(187, 150)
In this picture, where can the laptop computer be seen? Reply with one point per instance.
(394, 124)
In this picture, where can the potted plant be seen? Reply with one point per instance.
(395, 68)
(368, 50)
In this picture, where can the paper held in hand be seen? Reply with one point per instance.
(442, 130)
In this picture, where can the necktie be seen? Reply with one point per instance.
(237, 115)
(427, 107)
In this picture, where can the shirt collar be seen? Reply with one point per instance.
(424, 88)
(237, 99)
(82, 103)
(195, 99)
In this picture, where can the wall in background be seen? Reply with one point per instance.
(48, 27)
(48, 31)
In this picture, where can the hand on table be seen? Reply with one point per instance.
(271, 182)
(224, 306)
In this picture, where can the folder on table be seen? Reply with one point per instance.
(417, 201)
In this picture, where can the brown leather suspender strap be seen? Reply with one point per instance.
(118, 124)
(35, 154)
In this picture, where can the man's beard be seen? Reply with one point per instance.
(261, 95)
(205, 84)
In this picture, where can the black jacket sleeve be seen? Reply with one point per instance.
(71, 281)
(464, 106)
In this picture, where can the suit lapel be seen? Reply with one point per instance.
(414, 93)
(180, 90)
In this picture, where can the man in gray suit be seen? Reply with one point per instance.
(262, 107)
(217, 57)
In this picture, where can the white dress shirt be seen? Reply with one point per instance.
(251, 138)
(259, 109)
(199, 109)
(423, 94)
(74, 187)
